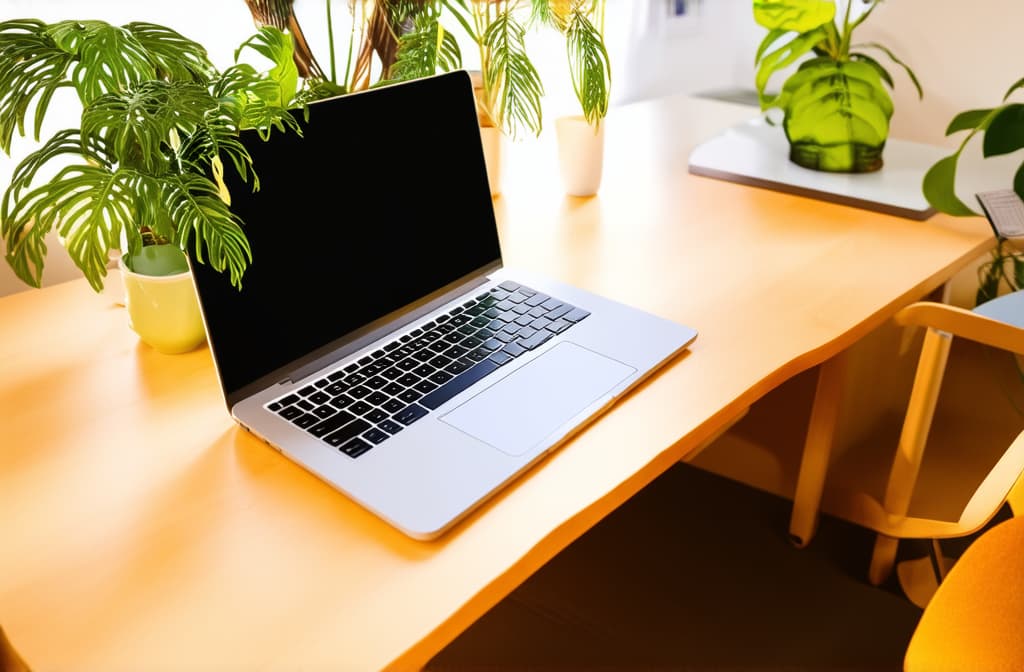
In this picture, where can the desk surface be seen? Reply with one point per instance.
(142, 529)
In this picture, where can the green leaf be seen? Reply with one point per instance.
(939, 187)
(174, 56)
(879, 68)
(589, 66)
(510, 78)
(970, 120)
(1005, 133)
(426, 49)
(1018, 181)
(897, 61)
(767, 42)
(782, 58)
(799, 16)
(276, 46)
(1018, 271)
(1016, 85)
(206, 223)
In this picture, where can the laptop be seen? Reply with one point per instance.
(379, 341)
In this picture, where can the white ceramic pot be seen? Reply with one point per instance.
(580, 154)
(493, 139)
(163, 310)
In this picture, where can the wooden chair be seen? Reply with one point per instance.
(975, 620)
(1000, 324)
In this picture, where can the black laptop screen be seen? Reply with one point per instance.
(383, 201)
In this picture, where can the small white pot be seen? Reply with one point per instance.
(580, 154)
(163, 310)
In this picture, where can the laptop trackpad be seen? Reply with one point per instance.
(518, 412)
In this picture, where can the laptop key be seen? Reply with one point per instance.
(354, 428)
(425, 386)
(320, 398)
(390, 426)
(514, 349)
(410, 414)
(306, 420)
(558, 326)
(376, 415)
(341, 401)
(499, 358)
(394, 405)
(375, 435)
(410, 396)
(359, 408)
(289, 412)
(305, 405)
(509, 286)
(307, 390)
(355, 447)
(324, 411)
(359, 391)
(460, 383)
(536, 340)
(558, 312)
(440, 377)
(576, 314)
(332, 423)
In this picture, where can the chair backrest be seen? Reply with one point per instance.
(975, 620)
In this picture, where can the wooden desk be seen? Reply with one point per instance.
(142, 529)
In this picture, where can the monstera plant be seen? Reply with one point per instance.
(144, 166)
(836, 107)
(1002, 129)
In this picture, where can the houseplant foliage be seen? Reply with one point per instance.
(1002, 129)
(159, 123)
(582, 23)
(836, 107)
(395, 40)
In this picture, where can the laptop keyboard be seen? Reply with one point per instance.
(358, 406)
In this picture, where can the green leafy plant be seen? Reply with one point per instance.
(409, 39)
(1002, 129)
(836, 106)
(158, 125)
(582, 23)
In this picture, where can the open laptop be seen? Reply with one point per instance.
(378, 341)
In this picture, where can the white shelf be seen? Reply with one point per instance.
(757, 154)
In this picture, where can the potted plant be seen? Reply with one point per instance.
(1002, 129)
(142, 173)
(581, 137)
(835, 106)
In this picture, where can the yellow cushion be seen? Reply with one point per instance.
(975, 621)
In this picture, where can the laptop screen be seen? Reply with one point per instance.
(382, 202)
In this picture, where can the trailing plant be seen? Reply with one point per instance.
(145, 165)
(836, 106)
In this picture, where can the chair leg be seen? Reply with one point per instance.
(924, 396)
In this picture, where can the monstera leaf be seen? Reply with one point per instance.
(799, 16)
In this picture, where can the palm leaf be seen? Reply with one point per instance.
(512, 80)
(276, 46)
(590, 67)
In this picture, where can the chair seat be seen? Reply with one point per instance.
(1007, 308)
(975, 620)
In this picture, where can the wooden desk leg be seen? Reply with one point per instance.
(817, 450)
(906, 465)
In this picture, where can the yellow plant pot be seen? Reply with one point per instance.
(163, 310)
